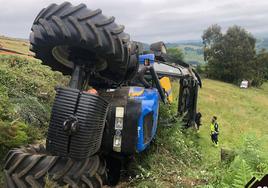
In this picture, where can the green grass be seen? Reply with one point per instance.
(239, 112)
(188, 159)
(167, 161)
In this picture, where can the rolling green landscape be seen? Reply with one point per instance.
(178, 157)
(193, 50)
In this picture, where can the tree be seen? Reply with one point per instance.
(174, 54)
(201, 69)
(213, 51)
(238, 55)
(261, 67)
(211, 37)
(231, 56)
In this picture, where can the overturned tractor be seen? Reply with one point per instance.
(109, 111)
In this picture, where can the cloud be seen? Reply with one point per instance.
(150, 20)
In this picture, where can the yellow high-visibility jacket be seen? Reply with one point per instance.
(214, 128)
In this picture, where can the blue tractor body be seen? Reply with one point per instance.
(141, 107)
(147, 123)
(149, 99)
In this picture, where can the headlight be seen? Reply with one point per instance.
(117, 143)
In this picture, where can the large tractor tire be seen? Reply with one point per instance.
(63, 33)
(30, 167)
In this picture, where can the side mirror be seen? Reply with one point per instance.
(160, 51)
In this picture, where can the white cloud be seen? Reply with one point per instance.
(150, 20)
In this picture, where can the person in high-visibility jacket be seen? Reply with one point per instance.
(214, 130)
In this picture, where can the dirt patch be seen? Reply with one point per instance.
(7, 53)
(191, 182)
(11, 52)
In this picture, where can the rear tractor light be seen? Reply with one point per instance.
(119, 121)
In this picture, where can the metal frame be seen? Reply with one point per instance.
(190, 82)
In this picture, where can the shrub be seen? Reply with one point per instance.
(13, 134)
(238, 174)
(5, 105)
(26, 95)
(32, 111)
(27, 77)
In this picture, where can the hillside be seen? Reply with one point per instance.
(14, 46)
(240, 112)
(242, 115)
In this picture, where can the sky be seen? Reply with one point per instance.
(150, 20)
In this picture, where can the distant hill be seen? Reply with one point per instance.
(262, 43)
(193, 51)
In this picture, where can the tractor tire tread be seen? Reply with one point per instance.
(30, 166)
(64, 24)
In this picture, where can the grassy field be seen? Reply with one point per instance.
(239, 112)
(189, 159)
(18, 45)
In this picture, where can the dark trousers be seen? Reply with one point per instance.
(214, 138)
